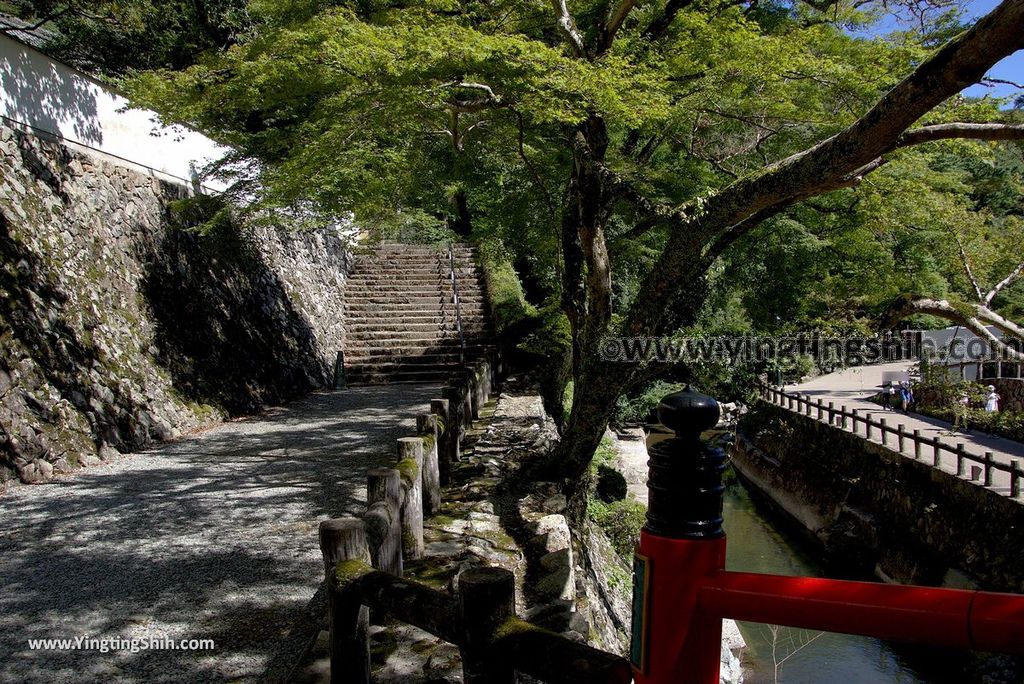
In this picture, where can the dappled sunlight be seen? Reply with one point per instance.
(214, 536)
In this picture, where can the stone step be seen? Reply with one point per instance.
(406, 248)
(416, 278)
(445, 287)
(410, 360)
(420, 299)
(425, 262)
(361, 377)
(401, 365)
(401, 319)
(401, 271)
(362, 308)
(355, 352)
(411, 329)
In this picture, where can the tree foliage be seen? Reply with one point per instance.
(647, 139)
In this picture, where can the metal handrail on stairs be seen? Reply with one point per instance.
(458, 303)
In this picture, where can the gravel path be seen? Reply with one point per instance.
(212, 537)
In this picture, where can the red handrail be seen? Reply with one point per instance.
(952, 618)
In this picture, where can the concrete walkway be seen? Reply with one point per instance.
(852, 387)
(212, 537)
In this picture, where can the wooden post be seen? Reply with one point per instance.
(410, 466)
(988, 468)
(453, 426)
(1015, 474)
(937, 454)
(466, 385)
(486, 600)
(426, 425)
(917, 445)
(961, 458)
(820, 408)
(345, 540)
(901, 435)
(790, 398)
(843, 416)
(831, 413)
(807, 404)
(384, 519)
(885, 431)
(855, 419)
(448, 446)
(867, 426)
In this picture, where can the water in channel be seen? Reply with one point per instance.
(758, 543)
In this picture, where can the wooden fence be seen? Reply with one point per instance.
(363, 564)
(897, 438)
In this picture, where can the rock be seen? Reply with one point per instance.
(611, 484)
(552, 533)
(108, 453)
(556, 560)
(89, 460)
(62, 466)
(555, 504)
(558, 585)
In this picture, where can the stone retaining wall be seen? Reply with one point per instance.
(874, 510)
(120, 328)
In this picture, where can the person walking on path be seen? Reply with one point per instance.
(906, 395)
(992, 400)
(960, 411)
(887, 393)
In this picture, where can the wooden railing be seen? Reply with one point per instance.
(364, 557)
(907, 443)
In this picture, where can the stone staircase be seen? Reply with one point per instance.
(400, 314)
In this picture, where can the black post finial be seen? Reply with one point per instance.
(685, 479)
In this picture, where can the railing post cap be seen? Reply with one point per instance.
(689, 412)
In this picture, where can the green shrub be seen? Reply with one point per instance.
(546, 352)
(504, 290)
(637, 408)
(621, 522)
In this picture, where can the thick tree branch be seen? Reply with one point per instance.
(611, 27)
(567, 26)
(967, 268)
(949, 131)
(973, 318)
(987, 299)
(840, 159)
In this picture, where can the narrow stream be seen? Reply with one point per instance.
(759, 544)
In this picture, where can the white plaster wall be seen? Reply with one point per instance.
(48, 96)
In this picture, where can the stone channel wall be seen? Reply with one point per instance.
(119, 326)
(876, 511)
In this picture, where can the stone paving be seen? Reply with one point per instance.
(852, 387)
(212, 537)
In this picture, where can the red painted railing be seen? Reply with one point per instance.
(682, 591)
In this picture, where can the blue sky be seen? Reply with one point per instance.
(1010, 69)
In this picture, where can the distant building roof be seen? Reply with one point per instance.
(16, 28)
